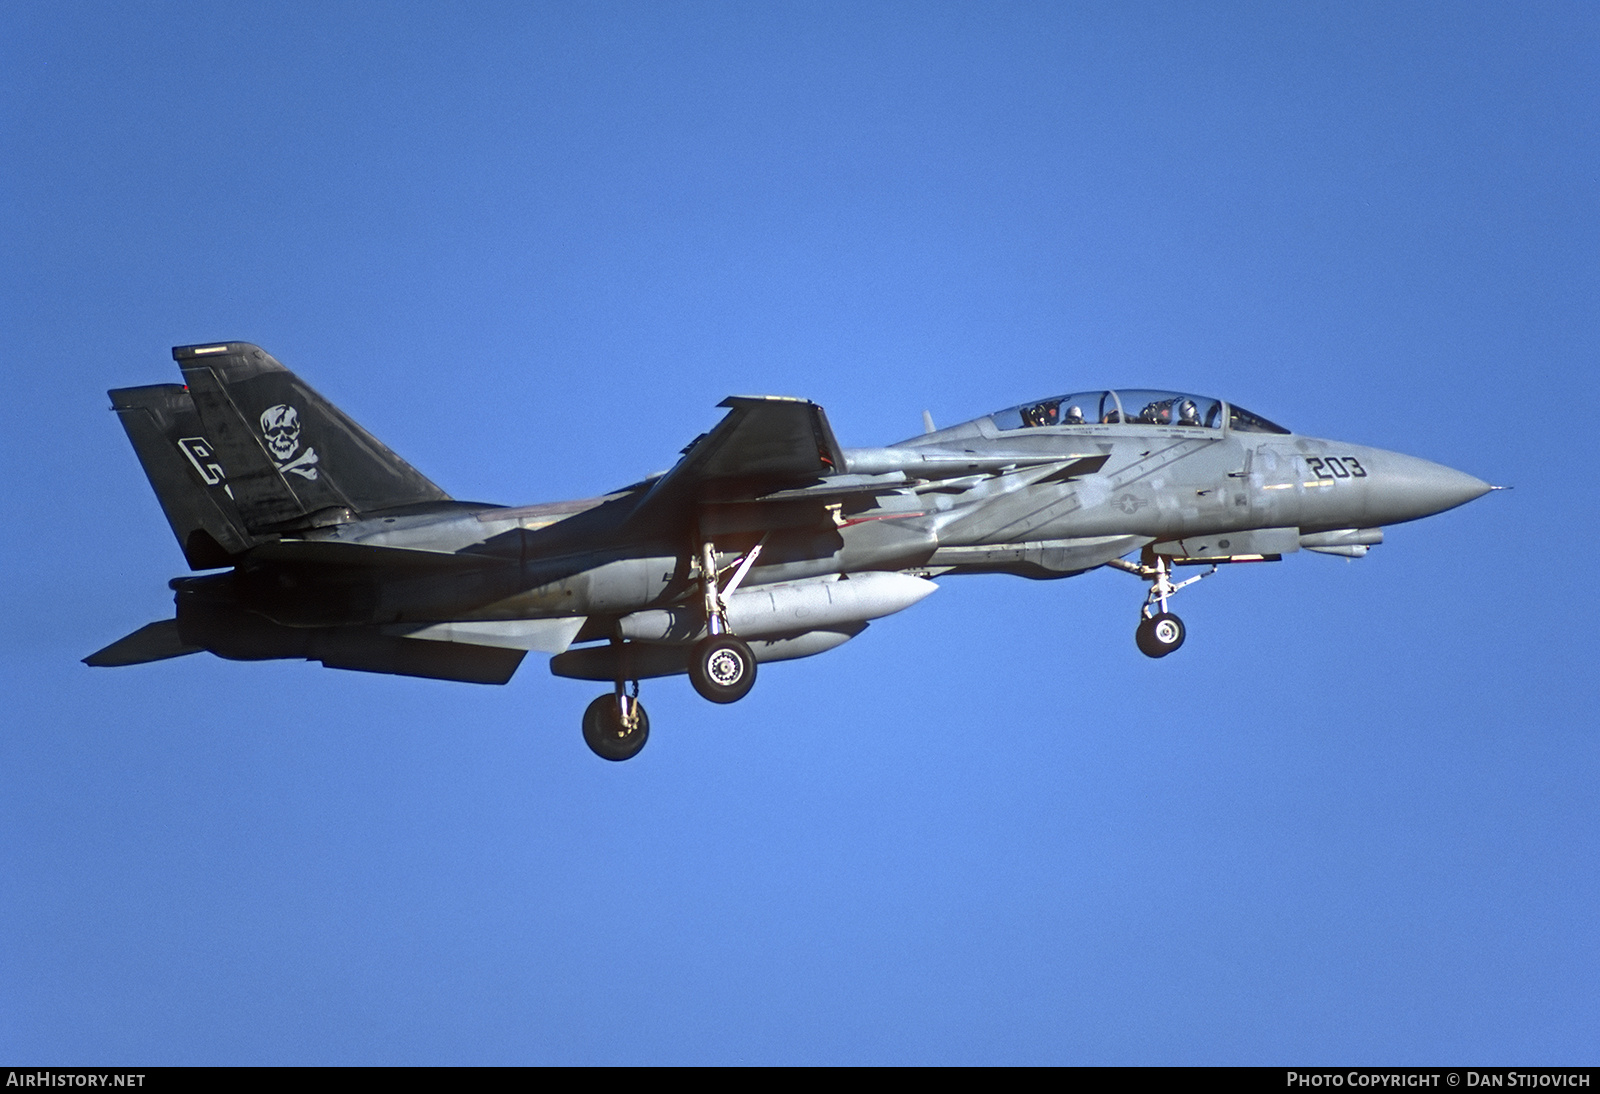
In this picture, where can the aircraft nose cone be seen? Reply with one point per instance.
(1411, 488)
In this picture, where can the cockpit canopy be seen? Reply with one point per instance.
(1132, 407)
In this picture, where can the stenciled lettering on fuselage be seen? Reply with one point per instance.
(1336, 467)
(280, 428)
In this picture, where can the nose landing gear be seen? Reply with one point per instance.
(1159, 635)
(1159, 632)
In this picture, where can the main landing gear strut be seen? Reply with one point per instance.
(722, 668)
(1159, 632)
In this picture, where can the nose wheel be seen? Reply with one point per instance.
(1159, 632)
(1159, 635)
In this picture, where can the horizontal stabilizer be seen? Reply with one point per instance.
(244, 636)
(155, 642)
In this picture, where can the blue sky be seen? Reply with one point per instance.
(531, 246)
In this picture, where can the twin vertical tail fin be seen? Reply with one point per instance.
(185, 472)
(247, 450)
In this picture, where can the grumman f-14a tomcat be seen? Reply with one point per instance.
(768, 541)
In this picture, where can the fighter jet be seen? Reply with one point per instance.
(767, 541)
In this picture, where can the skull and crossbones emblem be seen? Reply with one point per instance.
(280, 428)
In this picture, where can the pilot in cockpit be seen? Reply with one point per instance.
(1188, 413)
(1074, 416)
(1156, 413)
(1041, 414)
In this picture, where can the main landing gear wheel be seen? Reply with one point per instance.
(1159, 635)
(722, 668)
(607, 732)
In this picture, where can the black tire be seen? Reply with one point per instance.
(722, 668)
(1160, 635)
(605, 734)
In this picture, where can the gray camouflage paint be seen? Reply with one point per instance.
(359, 561)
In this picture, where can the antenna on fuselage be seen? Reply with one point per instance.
(927, 423)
